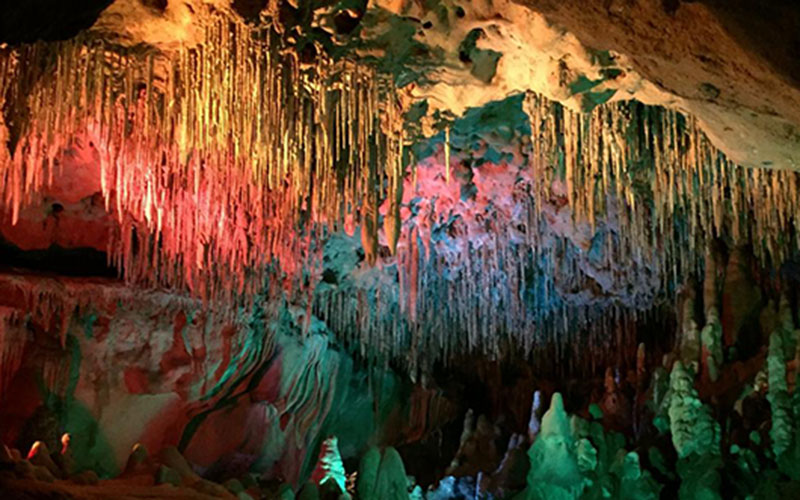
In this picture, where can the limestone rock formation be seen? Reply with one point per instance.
(231, 230)
(554, 471)
(329, 466)
(382, 476)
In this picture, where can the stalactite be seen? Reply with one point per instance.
(659, 160)
(447, 154)
(12, 344)
(643, 183)
(222, 159)
(216, 160)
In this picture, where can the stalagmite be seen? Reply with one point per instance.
(711, 340)
(382, 476)
(554, 471)
(329, 466)
(782, 430)
(39, 455)
(534, 424)
(693, 429)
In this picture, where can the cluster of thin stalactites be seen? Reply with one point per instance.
(216, 160)
(648, 187)
(222, 159)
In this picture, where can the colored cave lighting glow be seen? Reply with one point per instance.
(65, 442)
(511, 264)
(224, 162)
(216, 160)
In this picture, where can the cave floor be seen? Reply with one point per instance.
(122, 489)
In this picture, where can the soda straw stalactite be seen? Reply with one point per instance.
(216, 160)
(233, 159)
(676, 192)
(643, 186)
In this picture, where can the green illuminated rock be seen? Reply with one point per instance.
(382, 477)
(554, 472)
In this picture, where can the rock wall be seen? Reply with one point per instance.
(113, 368)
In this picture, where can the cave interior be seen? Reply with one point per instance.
(400, 249)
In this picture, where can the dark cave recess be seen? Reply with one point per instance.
(74, 262)
(31, 20)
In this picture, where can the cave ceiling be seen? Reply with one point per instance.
(636, 102)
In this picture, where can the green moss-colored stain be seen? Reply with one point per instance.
(610, 73)
(404, 57)
(483, 62)
(593, 99)
(439, 8)
(417, 110)
(601, 57)
(88, 324)
(582, 84)
(90, 448)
